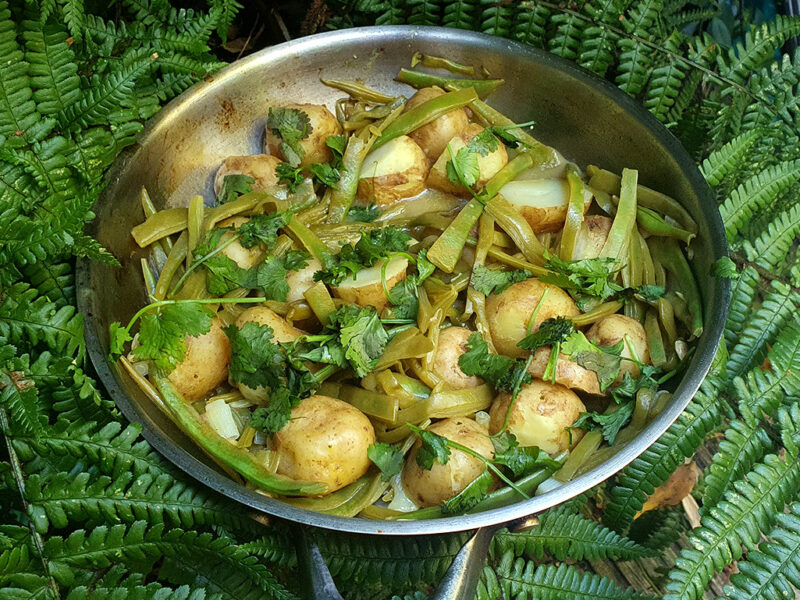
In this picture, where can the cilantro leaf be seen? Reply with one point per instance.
(493, 281)
(591, 276)
(603, 360)
(463, 168)
(162, 332)
(291, 176)
(519, 461)
(484, 143)
(725, 267)
(551, 332)
(404, 296)
(609, 423)
(337, 144)
(502, 372)
(262, 229)
(363, 214)
(650, 293)
(468, 498)
(223, 274)
(233, 186)
(325, 174)
(371, 247)
(276, 416)
(388, 458)
(433, 448)
(361, 334)
(118, 337)
(291, 125)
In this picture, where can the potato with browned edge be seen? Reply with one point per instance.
(433, 137)
(326, 440)
(367, 287)
(568, 373)
(488, 165)
(395, 171)
(540, 416)
(442, 482)
(509, 312)
(592, 237)
(542, 202)
(452, 344)
(613, 328)
(281, 332)
(314, 145)
(260, 167)
(205, 366)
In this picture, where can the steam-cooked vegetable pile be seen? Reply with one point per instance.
(412, 307)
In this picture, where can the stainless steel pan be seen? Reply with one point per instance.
(588, 119)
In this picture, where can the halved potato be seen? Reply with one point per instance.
(452, 344)
(592, 236)
(315, 148)
(205, 366)
(260, 167)
(568, 373)
(394, 171)
(367, 288)
(489, 165)
(543, 202)
(244, 257)
(613, 328)
(433, 137)
(300, 281)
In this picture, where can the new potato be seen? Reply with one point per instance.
(568, 373)
(314, 145)
(326, 440)
(542, 202)
(442, 482)
(540, 416)
(300, 281)
(452, 344)
(613, 328)
(509, 312)
(433, 137)
(367, 287)
(488, 165)
(205, 366)
(260, 167)
(244, 257)
(394, 171)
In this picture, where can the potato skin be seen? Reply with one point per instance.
(433, 137)
(611, 329)
(508, 313)
(260, 167)
(326, 440)
(540, 416)
(366, 289)
(489, 165)
(442, 482)
(244, 257)
(300, 281)
(592, 236)
(452, 344)
(568, 373)
(315, 150)
(395, 171)
(205, 366)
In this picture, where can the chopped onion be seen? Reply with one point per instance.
(220, 417)
(482, 418)
(400, 502)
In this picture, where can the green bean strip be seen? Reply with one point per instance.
(610, 183)
(603, 310)
(666, 315)
(417, 79)
(310, 240)
(516, 226)
(624, 224)
(654, 342)
(512, 261)
(359, 91)
(667, 252)
(648, 270)
(320, 301)
(194, 226)
(651, 222)
(585, 448)
(425, 113)
(170, 268)
(374, 404)
(574, 219)
(333, 500)
(241, 461)
(149, 279)
(160, 225)
(367, 495)
(149, 210)
(438, 62)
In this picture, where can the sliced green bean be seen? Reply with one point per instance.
(661, 203)
(651, 222)
(619, 237)
(669, 254)
(654, 342)
(446, 251)
(574, 219)
(170, 268)
(602, 310)
(417, 79)
(310, 240)
(149, 210)
(320, 301)
(438, 62)
(516, 226)
(666, 315)
(359, 91)
(160, 225)
(149, 278)
(579, 454)
(194, 226)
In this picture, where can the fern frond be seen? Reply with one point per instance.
(496, 18)
(215, 577)
(636, 57)
(681, 19)
(17, 108)
(769, 572)
(64, 498)
(666, 80)
(760, 45)
(516, 578)
(20, 573)
(54, 281)
(725, 160)
(784, 356)
(393, 13)
(567, 38)
(425, 12)
(654, 466)
(460, 14)
(743, 294)
(53, 70)
(151, 591)
(757, 192)
(570, 536)
(759, 394)
(770, 248)
(530, 23)
(19, 395)
(733, 524)
(659, 528)
(742, 446)
(780, 305)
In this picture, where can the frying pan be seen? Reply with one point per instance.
(588, 119)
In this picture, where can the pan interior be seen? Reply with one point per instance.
(587, 119)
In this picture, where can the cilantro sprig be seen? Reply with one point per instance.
(292, 126)
(404, 296)
(293, 176)
(387, 457)
(371, 247)
(233, 186)
(494, 281)
(505, 374)
(463, 167)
